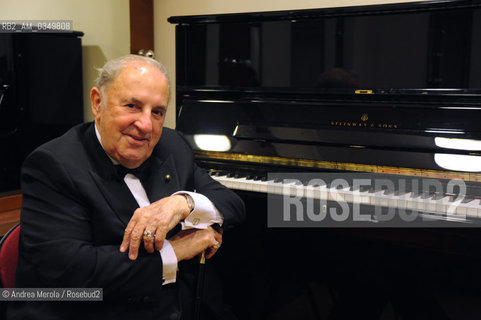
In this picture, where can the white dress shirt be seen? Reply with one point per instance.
(203, 215)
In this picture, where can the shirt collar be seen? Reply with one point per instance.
(100, 141)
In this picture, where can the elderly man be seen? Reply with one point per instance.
(119, 204)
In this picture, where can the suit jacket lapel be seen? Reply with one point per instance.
(162, 179)
(118, 196)
(161, 182)
(113, 189)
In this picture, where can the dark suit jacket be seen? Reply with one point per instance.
(74, 213)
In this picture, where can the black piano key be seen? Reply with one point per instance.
(399, 192)
(438, 196)
(337, 186)
(354, 188)
(452, 197)
(365, 188)
(467, 199)
(414, 194)
(389, 191)
(427, 195)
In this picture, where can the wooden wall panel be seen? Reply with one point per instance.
(141, 25)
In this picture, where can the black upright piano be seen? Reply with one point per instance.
(271, 100)
(40, 95)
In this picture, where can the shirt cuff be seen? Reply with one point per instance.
(169, 263)
(204, 214)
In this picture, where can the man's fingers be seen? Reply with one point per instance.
(127, 233)
(209, 253)
(135, 238)
(215, 244)
(149, 240)
(218, 236)
(161, 215)
(159, 238)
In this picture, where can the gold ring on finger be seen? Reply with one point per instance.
(148, 234)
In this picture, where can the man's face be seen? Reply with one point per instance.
(130, 115)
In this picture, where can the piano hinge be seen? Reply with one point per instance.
(363, 91)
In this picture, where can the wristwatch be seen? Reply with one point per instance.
(190, 201)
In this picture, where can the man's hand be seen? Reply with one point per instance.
(158, 219)
(190, 243)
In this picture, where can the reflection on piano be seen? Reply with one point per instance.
(392, 92)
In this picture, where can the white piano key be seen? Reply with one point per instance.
(472, 208)
(275, 187)
(412, 203)
(420, 204)
(430, 205)
(392, 200)
(323, 192)
(375, 198)
(259, 186)
(403, 199)
(243, 184)
(461, 208)
(443, 206)
(232, 182)
(311, 192)
(360, 197)
(478, 207)
(348, 195)
(433, 205)
(286, 188)
(338, 195)
(224, 180)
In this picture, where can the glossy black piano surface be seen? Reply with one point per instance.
(262, 80)
(390, 91)
(403, 48)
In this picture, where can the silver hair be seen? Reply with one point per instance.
(112, 68)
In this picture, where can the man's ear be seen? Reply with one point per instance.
(95, 100)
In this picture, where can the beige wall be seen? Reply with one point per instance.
(105, 24)
(164, 32)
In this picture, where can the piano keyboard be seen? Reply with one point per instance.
(450, 207)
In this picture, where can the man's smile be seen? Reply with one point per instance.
(137, 140)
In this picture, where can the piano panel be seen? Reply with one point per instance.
(438, 118)
(335, 49)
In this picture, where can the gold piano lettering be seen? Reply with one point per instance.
(364, 124)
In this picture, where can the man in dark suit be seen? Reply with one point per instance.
(89, 222)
